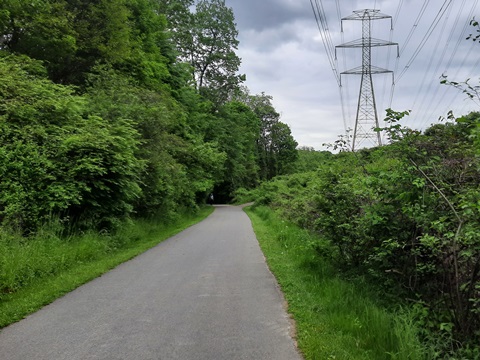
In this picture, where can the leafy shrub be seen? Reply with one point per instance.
(56, 158)
(407, 215)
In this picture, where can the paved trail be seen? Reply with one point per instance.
(204, 294)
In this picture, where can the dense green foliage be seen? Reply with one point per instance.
(407, 216)
(111, 109)
(56, 157)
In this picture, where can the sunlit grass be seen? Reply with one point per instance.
(37, 270)
(335, 318)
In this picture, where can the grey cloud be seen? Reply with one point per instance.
(283, 54)
(266, 14)
(269, 39)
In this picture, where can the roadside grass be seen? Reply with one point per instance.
(335, 318)
(38, 270)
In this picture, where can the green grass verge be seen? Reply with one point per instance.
(36, 271)
(335, 318)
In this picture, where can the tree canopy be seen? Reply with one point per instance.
(116, 108)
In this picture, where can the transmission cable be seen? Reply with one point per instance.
(415, 25)
(442, 57)
(430, 66)
(323, 29)
(405, 44)
(430, 30)
(323, 20)
(345, 114)
(397, 13)
(395, 19)
(460, 38)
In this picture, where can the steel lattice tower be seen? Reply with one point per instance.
(367, 117)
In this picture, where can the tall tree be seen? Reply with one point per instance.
(207, 40)
(71, 36)
(103, 34)
(153, 59)
(178, 15)
(41, 29)
(276, 145)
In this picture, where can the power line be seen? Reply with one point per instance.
(415, 25)
(441, 56)
(461, 37)
(430, 30)
(384, 89)
(395, 19)
(436, 72)
(397, 13)
(430, 64)
(321, 21)
(406, 42)
(341, 88)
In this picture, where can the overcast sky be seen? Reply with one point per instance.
(283, 55)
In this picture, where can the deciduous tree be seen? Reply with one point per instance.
(208, 42)
(276, 146)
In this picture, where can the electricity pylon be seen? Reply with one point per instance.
(367, 117)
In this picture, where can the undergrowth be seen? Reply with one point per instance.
(335, 318)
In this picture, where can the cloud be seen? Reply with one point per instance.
(259, 15)
(283, 55)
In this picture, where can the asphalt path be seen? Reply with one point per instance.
(204, 294)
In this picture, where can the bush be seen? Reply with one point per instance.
(56, 158)
(407, 216)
